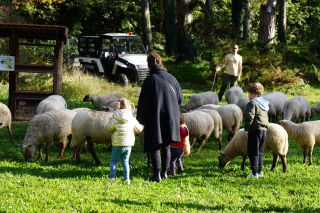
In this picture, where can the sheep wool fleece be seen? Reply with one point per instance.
(123, 126)
(158, 108)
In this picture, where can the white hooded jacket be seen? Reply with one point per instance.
(124, 126)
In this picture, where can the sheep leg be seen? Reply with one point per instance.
(284, 163)
(275, 161)
(10, 133)
(40, 153)
(201, 145)
(304, 154)
(93, 153)
(244, 158)
(69, 141)
(63, 148)
(310, 155)
(220, 142)
(76, 154)
(193, 142)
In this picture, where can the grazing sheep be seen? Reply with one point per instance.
(53, 102)
(298, 107)
(234, 94)
(306, 135)
(276, 102)
(103, 102)
(200, 125)
(198, 100)
(90, 126)
(242, 104)
(53, 126)
(231, 116)
(315, 110)
(218, 126)
(5, 119)
(276, 141)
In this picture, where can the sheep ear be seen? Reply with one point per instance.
(221, 154)
(30, 145)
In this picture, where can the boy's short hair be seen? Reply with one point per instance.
(256, 88)
(182, 119)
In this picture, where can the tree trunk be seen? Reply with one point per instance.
(246, 20)
(237, 6)
(282, 22)
(147, 35)
(267, 22)
(186, 46)
(169, 27)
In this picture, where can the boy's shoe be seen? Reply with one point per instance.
(111, 179)
(127, 182)
(171, 173)
(180, 169)
(260, 174)
(252, 175)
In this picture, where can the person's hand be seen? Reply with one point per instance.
(218, 68)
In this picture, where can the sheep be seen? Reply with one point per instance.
(53, 102)
(315, 110)
(242, 104)
(234, 94)
(200, 125)
(306, 135)
(276, 141)
(231, 116)
(218, 126)
(5, 119)
(198, 100)
(298, 107)
(276, 102)
(103, 102)
(52, 126)
(90, 126)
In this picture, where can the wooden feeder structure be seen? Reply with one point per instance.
(38, 52)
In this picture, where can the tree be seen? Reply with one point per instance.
(246, 20)
(147, 35)
(267, 22)
(169, 26)
(282, 22)
(237, 6)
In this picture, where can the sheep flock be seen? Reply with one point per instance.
(206, 119)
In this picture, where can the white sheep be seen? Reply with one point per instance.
(231, 116)
(234, 94)
(276, 141)
(103, 102)
(200, 125)
(198, 100)
(5, 119)
(218, 125)
(90, 126)
(306, 135)
(298, 107)
(276, 102)
(52, 126)
(52, 102)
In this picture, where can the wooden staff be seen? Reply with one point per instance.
(214, 77)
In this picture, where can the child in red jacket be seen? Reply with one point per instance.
(177, 149)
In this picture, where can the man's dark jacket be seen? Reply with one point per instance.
(158, 108)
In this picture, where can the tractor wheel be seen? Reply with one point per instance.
(122, 79)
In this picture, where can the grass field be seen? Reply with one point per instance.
(62, 185)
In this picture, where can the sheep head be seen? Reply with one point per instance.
(223, 160)
(28, 151)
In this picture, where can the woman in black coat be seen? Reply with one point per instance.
(158, 111)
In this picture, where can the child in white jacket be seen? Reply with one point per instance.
(124, 126)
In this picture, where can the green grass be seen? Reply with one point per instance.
(62, 185)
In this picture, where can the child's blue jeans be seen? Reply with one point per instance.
(123, 153)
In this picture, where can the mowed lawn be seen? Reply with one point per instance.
(62, 185)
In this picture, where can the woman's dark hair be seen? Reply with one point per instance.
(154, 59)
(182, 119)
